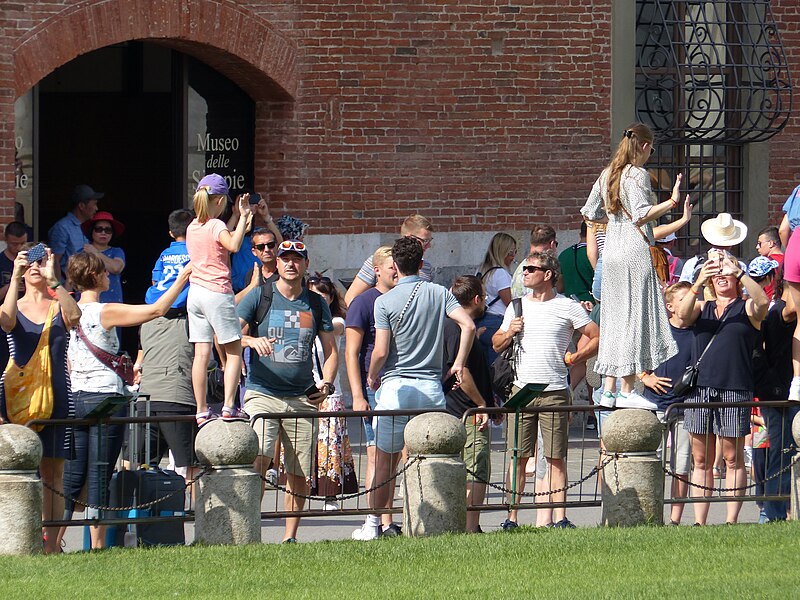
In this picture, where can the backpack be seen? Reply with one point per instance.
(503, 367)
(265, 303)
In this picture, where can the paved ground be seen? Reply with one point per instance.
(583, 455)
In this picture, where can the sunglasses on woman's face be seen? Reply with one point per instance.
(108, 230)
(315, 280)
(260, 247)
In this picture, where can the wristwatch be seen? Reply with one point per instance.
(329, 388)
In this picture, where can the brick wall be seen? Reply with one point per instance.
(784, 155)
(481, 114)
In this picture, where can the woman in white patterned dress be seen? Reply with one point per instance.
(634, 328)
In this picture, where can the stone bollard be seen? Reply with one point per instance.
(633, 489)
(435, 493)
(20, 491)
(795, 500)
(228, 505)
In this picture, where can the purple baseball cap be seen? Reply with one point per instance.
(214, 183)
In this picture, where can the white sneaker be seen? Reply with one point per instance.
(634, 400)
(365, 533)
(608, 399)
(272, 477)
(330, 506)
(794, 390)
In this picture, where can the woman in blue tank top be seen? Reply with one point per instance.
(725, 373)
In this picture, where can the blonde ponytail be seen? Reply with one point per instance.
(200, 201)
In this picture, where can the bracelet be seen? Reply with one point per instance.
(643, 375)
(56, 285)
(695, 292)
(740, 275)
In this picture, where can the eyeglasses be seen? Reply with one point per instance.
(293, 245)
(314, 280)
(103, 230)
(270, 245)
(425, 243)
(533, 269)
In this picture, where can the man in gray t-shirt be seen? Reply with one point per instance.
(409, 329)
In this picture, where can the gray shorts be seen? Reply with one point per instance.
(212, 313)
(680, 450)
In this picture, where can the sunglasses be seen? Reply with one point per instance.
(533, 269)
(293, 245)
(260, 247)
(314, 280)
(103, 230)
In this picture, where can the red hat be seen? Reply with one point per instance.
(102, 215)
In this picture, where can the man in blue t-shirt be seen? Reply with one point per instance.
(409, 331)
(279, 377)
(360, 340)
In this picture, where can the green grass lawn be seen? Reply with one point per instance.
(647, 562)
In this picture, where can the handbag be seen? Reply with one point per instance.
(121, 364)
(658, 257)
(29, 388)
(688, 380)
(503, 369)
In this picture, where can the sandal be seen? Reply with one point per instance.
(204, 417)
(234, 414)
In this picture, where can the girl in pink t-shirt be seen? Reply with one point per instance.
(210, 303)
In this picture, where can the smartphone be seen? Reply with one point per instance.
(313, 389)
(37, 253)
(254, 198)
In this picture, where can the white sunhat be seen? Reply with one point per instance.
(723, 230)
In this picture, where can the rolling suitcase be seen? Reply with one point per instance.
(154, 484)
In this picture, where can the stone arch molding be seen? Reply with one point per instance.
(228, 37)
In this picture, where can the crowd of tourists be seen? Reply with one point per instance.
(233, 301)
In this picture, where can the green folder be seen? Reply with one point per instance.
(524, 396)
(107, 407)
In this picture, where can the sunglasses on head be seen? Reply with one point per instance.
(270, 245)
(103, 230)
(533, 269)
(293, 245)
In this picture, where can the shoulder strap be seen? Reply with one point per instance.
(264, 304)
(711, 341)
(408, 303)
(586, 284)
(315, 300)
(639, 229)
(483, 278)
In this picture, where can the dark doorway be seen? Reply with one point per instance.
(126, 119)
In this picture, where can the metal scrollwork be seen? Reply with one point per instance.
(714, 71)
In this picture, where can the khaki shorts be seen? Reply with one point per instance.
(477, 453)
(298, 436)
(555, 426)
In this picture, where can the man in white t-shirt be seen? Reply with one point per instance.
(543, 334)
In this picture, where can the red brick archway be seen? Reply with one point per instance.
(230, 38)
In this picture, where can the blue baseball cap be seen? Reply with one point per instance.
(761, 266)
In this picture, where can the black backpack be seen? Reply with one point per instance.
(503, 367)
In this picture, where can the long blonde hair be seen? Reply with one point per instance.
(630, 146)
(202, 199)
(498, 249)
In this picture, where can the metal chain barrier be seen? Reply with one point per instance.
(283, 488)
(671, 473)
(595, 470)
(142, 506)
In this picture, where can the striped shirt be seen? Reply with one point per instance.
(545, 338)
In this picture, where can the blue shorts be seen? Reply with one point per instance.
(402, 393)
